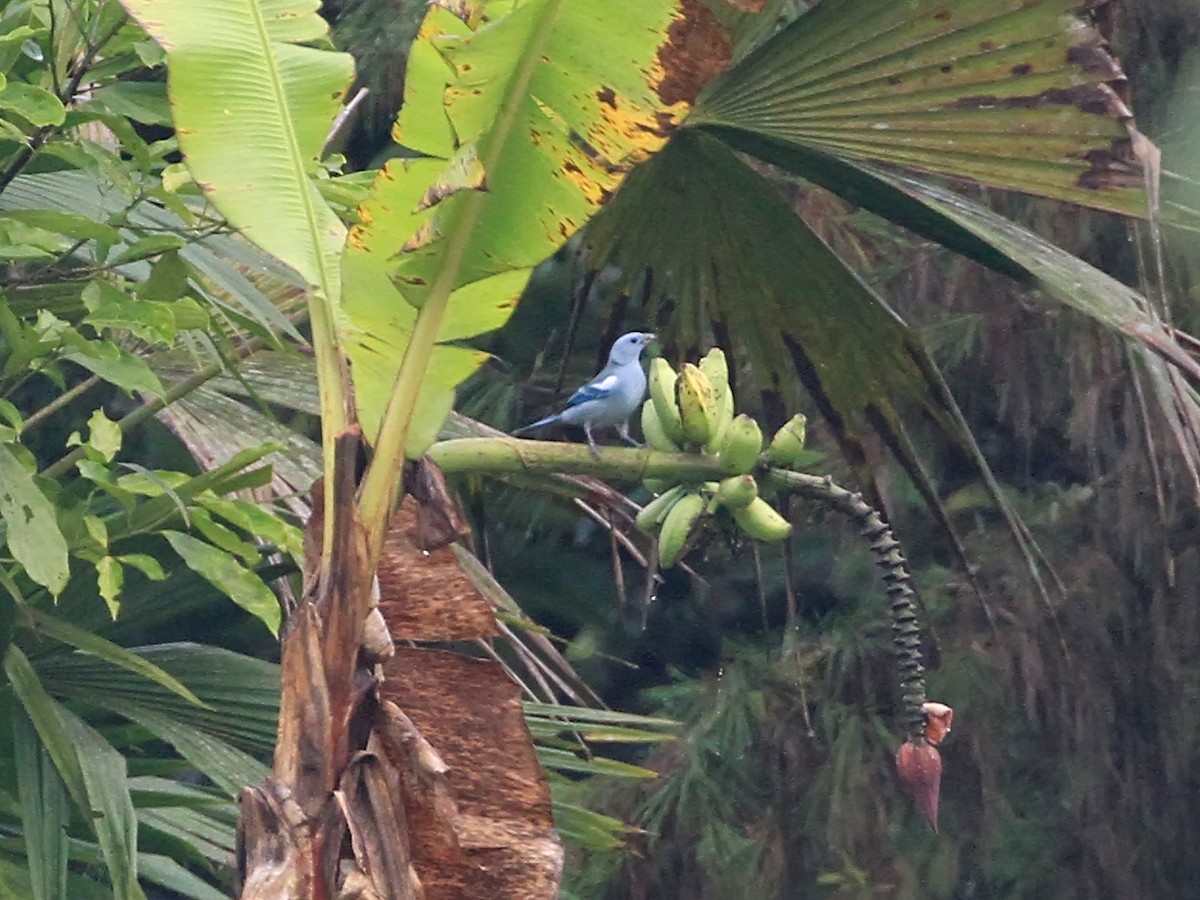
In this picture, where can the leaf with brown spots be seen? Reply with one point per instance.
(1015, 94)
(528, 116)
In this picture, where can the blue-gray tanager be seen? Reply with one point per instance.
(611, 397)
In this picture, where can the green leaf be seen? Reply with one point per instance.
(36, 104)
(32, 531)
(70, 224)
(1015, 94)
(253, 151)
(224, 538)
(601, 725)
(103, 435)
(110, 307)
(170, 492)
(144, 248)
(589, 829)
(92, 770)
(96, 530)
(168, 873)
(144, 563)
(43, 712)
(45, 811)
(115, 365)
(224, 572)
(496, 106)
(241, 696)
(218, 259)
(212, 839)
(566, 761)
(91, 643)
(257, 521)
(142, 101)
(109, 578)
(109, 803)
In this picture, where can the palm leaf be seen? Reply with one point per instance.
(45, 812)
(219, 262)
(241, 694)
(92, 770)
(1014, 94)
(93, 644)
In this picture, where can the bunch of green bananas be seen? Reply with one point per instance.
(693, 410)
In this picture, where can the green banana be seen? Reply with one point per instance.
(760, 521)
(662, 395)
(697, 405)
(653, 430)
(716, 369)
(741, 445)
(735, 492)
(653, 513)
(787, 447)
(677, 527)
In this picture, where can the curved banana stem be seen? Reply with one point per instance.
(505, 455)
(906, 633)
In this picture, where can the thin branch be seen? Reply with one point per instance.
(65, 94)
(59, 402)
(157, 404)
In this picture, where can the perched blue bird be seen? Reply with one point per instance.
(611, 397)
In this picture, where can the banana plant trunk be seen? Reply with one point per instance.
(359, 803)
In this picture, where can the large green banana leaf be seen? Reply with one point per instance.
(528, 116)
(251, 107)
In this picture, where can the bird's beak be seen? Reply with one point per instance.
(651, 337)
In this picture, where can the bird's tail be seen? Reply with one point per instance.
(549, 420)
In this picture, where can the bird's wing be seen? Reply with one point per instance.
(597, 389)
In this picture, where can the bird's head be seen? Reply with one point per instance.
(628, 347)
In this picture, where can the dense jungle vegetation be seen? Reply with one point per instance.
(249, 243)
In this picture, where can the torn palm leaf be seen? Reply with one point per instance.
(1014, 94)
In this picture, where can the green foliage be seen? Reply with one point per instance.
(113, 268)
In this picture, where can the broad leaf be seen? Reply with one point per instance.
(253, 151)
(34, 104)
(528, 122)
